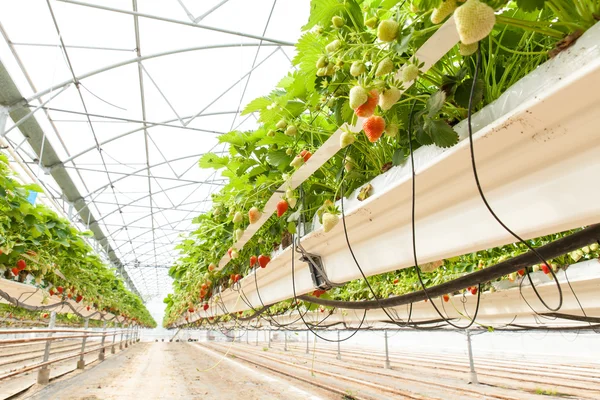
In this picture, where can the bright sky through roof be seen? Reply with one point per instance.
(142, 180)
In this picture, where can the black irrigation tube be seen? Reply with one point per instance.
(557, 248)
(573, 317)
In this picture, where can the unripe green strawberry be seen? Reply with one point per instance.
(239, 233)
(291, 130)
(388, 98)
(384, 67)
(357, 68)
(594, 246)
(337, 22)
(234, 254)
(586, 249)
(446, 8)
(330, 70)
(391, 130)
(554, 267)
(281, 124)
(297, 162)
(414, 8)
(467, 49)
(289, 151)
(346, 139)
(289, 193)
(271, 133)
(329, 221)
(322, 71)
(410, 72)
(387, 30)
(292, 202)
(576, 255)
(333, 46)
(238, 217)
(371, 22)
(348, 163)
(322, 62)
(535, 268)
(474, 21)
(358, 96)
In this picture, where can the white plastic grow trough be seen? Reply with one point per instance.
(496, 309)
(537, 151)
(32, 296)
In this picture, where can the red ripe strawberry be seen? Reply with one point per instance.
(237, 278)
(187, 319)
(374, 127)
(322, 309)
(204, 286)
(263, 261)
(51, 291)
(368, 108)
(191, 309)
(60, 289)
(473, 290)
(253, 261)
(446, 298)
(78, 298)
(396, 281)
(282, 207)
(88, 308)
(45, 315)
(15, 271)
(205, 307)
(21, 264)
(69, 295)
(545, 269)
(318, 292)
(229, 251)
(306, 155)
(521, 272)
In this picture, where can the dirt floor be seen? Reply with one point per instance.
(174, 371)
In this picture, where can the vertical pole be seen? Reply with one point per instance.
(285, 345)
(127, 337)
(3, 117)
(44, 373)
(472, 373)
(339, 344)
(121, 341)
(256, 343)
(81, 362)
(247, 336)
(112, 349)
(101, 355)
(387, 352)
(269, 337)
(307, 336)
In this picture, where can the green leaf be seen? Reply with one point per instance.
(30, 219)
(441, 133)
(211, 160)
(398, 157)
(423, 137)
(463, 92)
(279, 158)
(321, 12)
(531, 5)
(257, 105)
(435, 103)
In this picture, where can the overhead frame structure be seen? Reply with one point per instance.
(125, 223)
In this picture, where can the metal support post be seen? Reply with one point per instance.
(387, 352)
(44, 373)
(472, 373)
(121, 341)
(247, 336)
(256, 343)
(112, 349)
(81, 362)
(307, 336)
(285, 344)
(127, 337)
(101, 355)
(269, 337)
(339, 344)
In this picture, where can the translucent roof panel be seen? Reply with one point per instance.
(129, 95)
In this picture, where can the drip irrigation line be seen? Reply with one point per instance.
(551, 250)
(294, 238)
(487, 205)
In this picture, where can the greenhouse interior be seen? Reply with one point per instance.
(299, 199)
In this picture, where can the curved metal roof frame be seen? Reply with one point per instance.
(107, 204)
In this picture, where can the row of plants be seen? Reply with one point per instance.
(355, 64)
(12, 316)
(39, 248)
